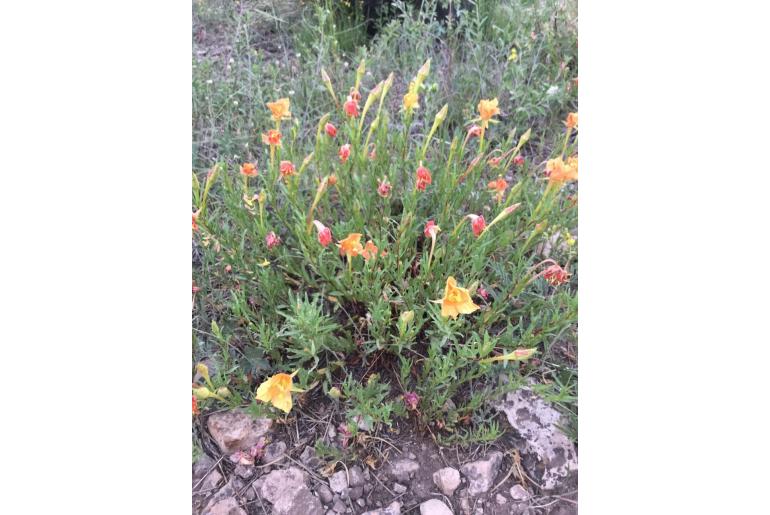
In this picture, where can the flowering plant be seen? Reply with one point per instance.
(453, 260)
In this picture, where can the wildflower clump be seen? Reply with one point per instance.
(378, 259)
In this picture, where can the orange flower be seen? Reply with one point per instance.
(280, 109)
(273, 137)
(195, 221)
(277, 391)
(351, 107)
(249, 170)
(351, 246)
(555, 275)
(456, 300)
(499, 185)
(478, 224)
(344, 152)
(332, 180)
(487, 109)
(195, 410)
(559, 172)
(571, 121)
(287, 168)
(495, 161)
(370, 250)
(423, 177)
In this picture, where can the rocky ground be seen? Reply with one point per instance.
(263, 466)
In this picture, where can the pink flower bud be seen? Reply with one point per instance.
(324, 233)
(272, 240)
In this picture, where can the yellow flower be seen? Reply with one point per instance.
(351, 246)
(488, 109)
(560, 172)
(411, 100)
(280, 109)
(277, 391)
(571, 121)
(514, 55)
(456, 300)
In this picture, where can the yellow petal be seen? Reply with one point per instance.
(263, 391)
(449, 310)
(282, 401)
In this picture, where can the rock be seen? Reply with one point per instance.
(399, 488)
(411, 456)
(205, 475)
(537, 422)
(250, 494)
(236, 431)
(465, 503)
(481, 474)
(356, 476)
(273, 452)
(361, 502)
(210, 482)
(331, 433)
(285, 489)
(393, 508)
(226, 506)
(447, 480)
(404, 469)
(434, 507)
(324, 493)
(338, 482)
(339, 506)
(309, 458)
(518, 493)
(500, 499)
(245, 471)
(356, 492)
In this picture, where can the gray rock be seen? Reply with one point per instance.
(338, 482)
(447, 480)
(236, 431)
(226, 506)
(361, 502)
(403, 469)
(537, 423)
(500, 499)
(481, 474)
(465, 502)
(273, 452)
(434, 507)
(399, 488)
(356, 476)
(356, 492)
(393, 508)
(245, 471)
(339, 506)
(309, 458)
(324, 493)
(286, 490)
(518, 493)
(251, 493)
(205, 474)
